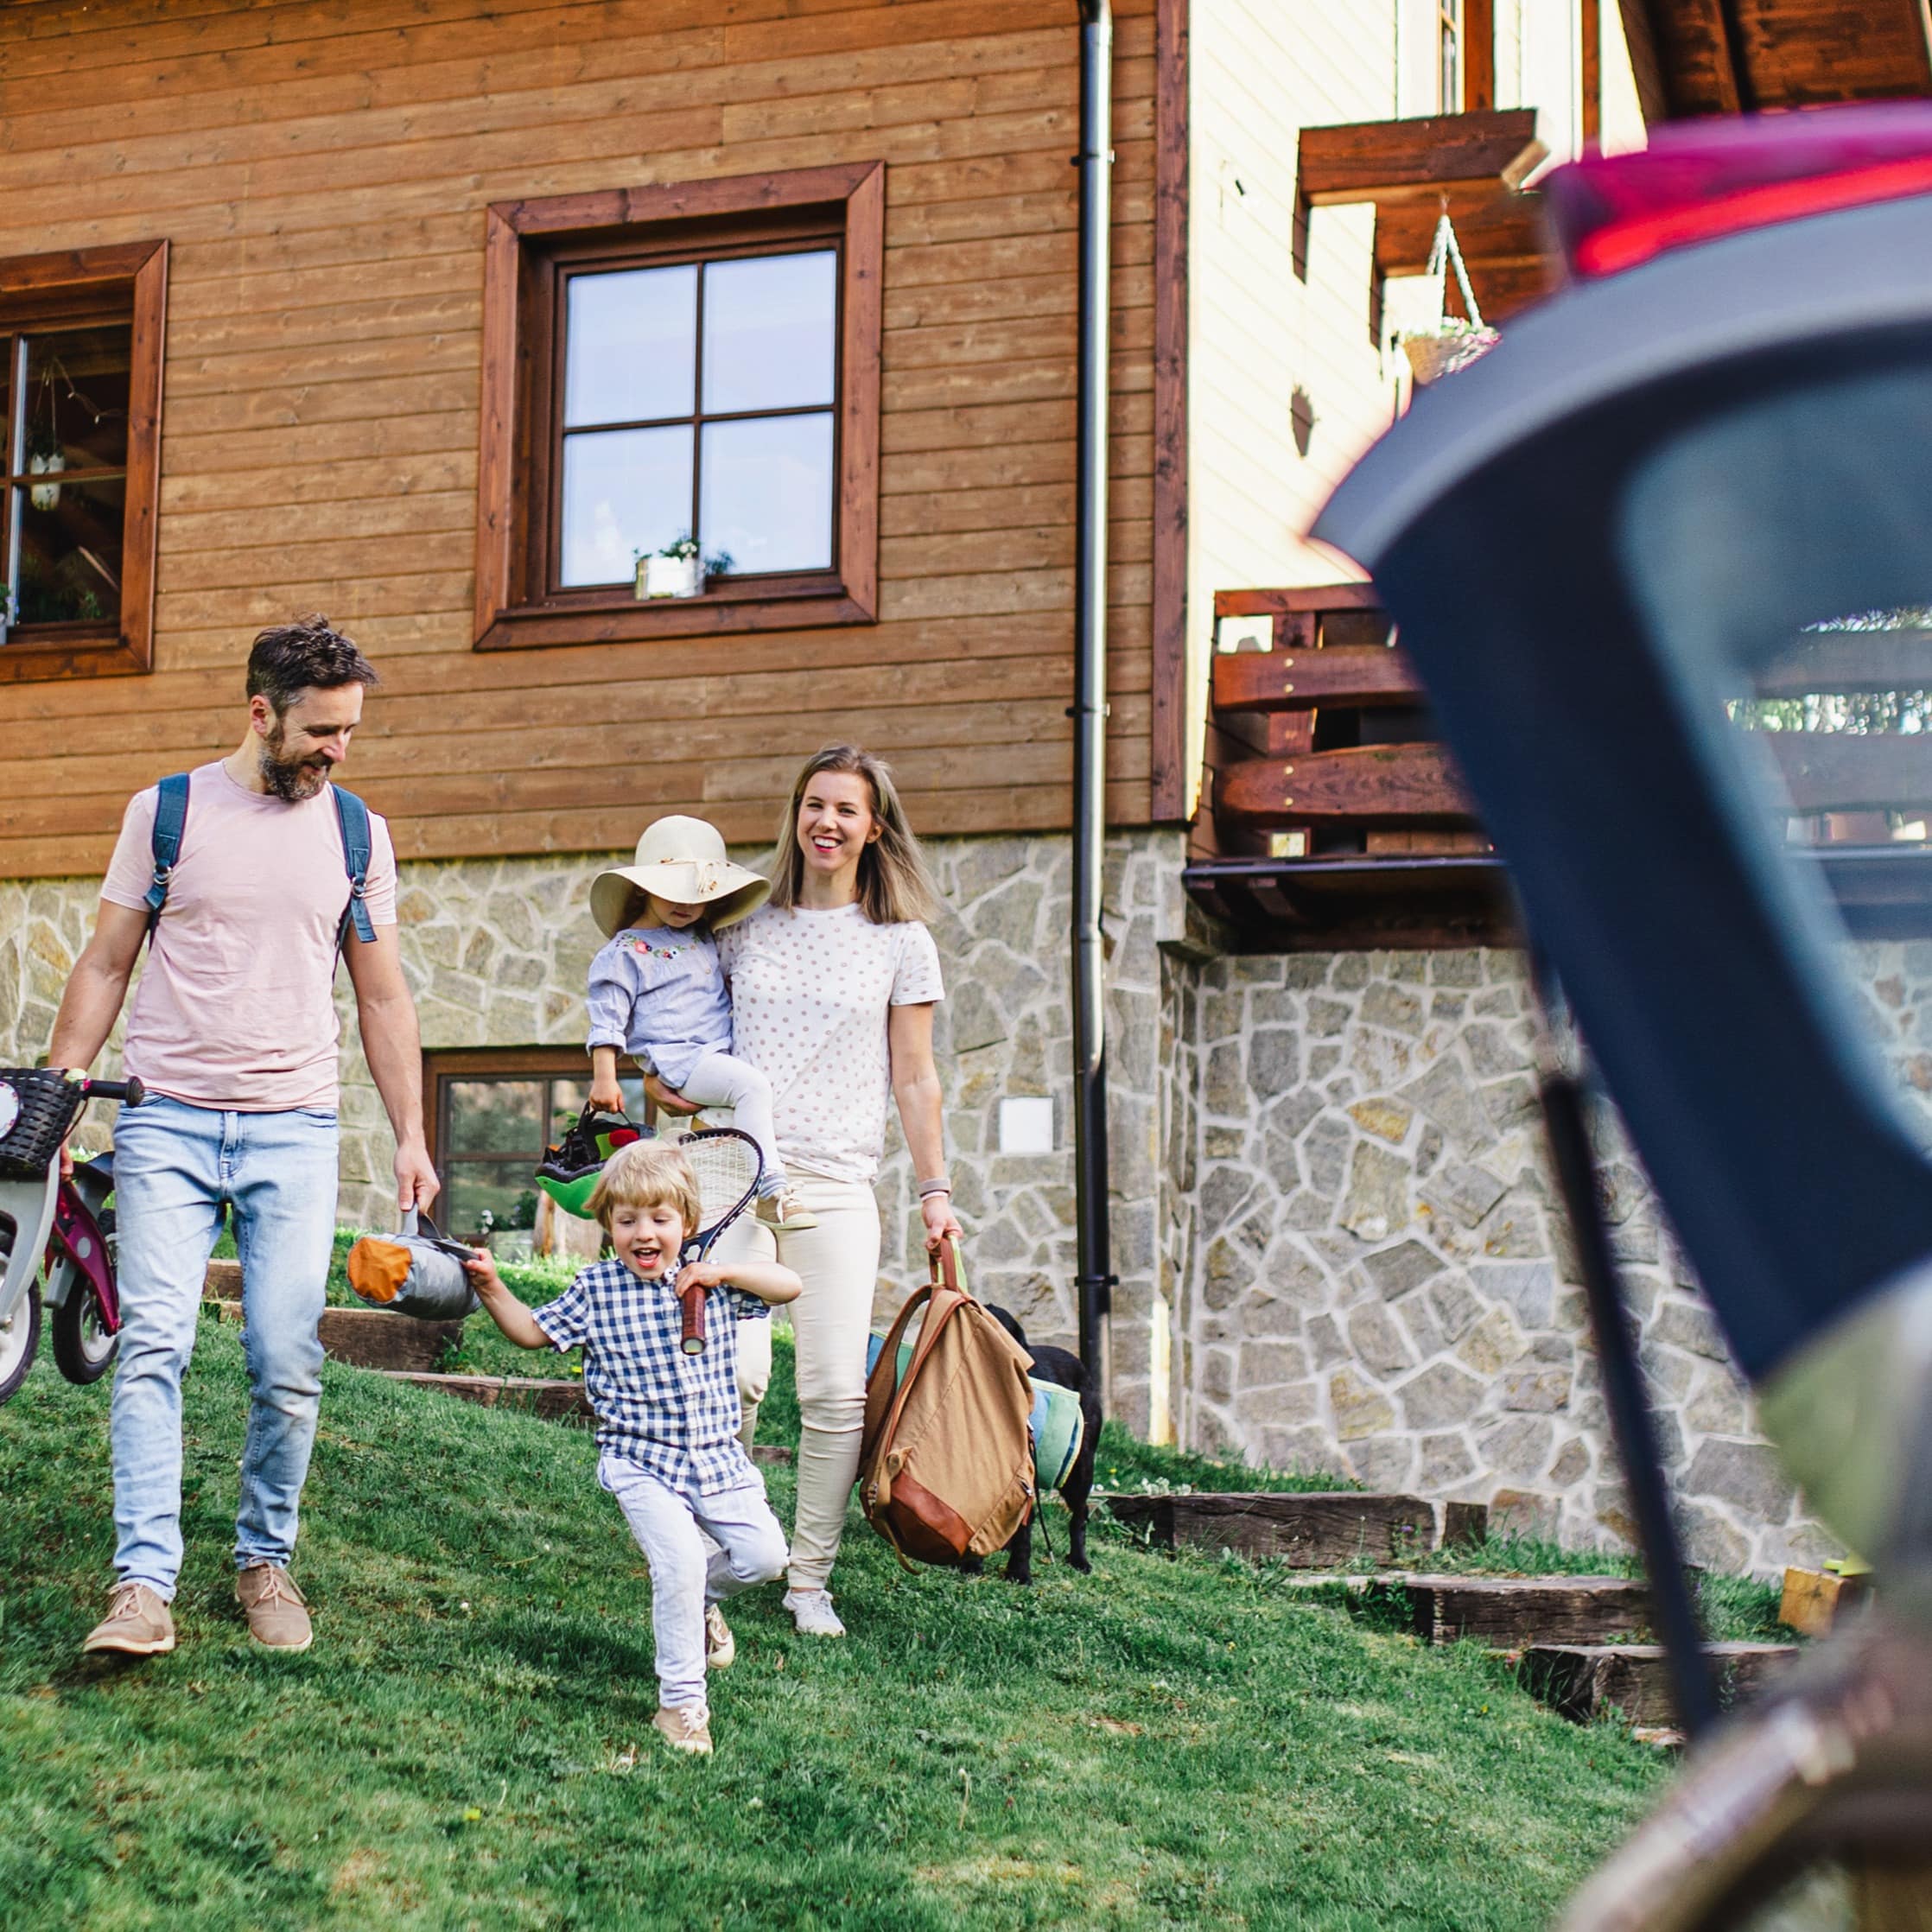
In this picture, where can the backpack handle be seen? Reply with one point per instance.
(946, 1268)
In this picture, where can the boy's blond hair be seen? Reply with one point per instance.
(646, 1174)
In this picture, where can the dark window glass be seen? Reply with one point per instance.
(66, 450)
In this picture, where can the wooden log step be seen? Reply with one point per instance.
(1323, 1529)
(1582, 1681)
(222, 1282)
(371, 1338)
(1511, 1613)
(555, 1399)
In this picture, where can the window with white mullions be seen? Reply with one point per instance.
(699, 400)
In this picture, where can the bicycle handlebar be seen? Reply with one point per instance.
(130, 1090)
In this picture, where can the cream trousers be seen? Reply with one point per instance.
(838, 1262)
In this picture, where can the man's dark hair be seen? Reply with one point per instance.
(310, 654)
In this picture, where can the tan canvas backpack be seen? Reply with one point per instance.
(946, 1467)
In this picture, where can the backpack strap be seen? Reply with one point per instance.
(353, 815)
(170, 817)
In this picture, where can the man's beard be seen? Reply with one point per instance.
(294, 779)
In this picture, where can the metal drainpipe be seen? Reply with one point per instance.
(1095, 1280)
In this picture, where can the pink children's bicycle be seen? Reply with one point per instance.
(65, 1224)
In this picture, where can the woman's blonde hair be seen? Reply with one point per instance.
(646, 1174)
(894, 885)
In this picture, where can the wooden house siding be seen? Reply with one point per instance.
(321, 173)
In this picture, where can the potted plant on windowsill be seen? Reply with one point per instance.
(677, 570)
(45, 457)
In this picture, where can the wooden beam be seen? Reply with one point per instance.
(1842, 771)
(1364, 784)
(1167, 724)
(1850, 661)
(1643, 38)
(1297, 680)
(1590, 36)
(1380, 160)
(1488, 224)
(1478, 56)
(1299, 597)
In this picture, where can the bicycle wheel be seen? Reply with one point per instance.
(19, 1337)
(83, 1350)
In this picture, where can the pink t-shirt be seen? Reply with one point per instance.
(235, 1008)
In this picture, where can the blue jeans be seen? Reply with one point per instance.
(174, 1166)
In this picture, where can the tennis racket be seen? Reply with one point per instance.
(726, 1166)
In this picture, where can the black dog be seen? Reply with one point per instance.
(1064, 1367)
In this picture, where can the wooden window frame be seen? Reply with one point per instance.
(45, 290)
(524, 242)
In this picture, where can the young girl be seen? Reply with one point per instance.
(667, 1422)
(658, 991)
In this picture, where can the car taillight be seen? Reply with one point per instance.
(1700, 180)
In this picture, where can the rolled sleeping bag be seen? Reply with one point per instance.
(1057, 1424)
(413, 1272)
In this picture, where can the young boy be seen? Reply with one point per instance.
(667, 1422)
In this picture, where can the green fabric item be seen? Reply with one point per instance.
(1057, 1423)
(573, 1196)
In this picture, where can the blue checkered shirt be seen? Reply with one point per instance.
(675, 1415)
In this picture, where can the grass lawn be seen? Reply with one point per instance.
(1168, 1742)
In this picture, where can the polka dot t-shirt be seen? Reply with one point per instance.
(809, 994)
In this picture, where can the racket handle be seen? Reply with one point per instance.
(692, 1302)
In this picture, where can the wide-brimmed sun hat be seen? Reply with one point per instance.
(682, 859)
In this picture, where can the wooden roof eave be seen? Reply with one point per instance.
(1693, 58)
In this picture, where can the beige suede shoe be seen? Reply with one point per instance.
(278, 1619)
(687, 1728)
(720, 1647)
(137, 1624)
(787, 1211)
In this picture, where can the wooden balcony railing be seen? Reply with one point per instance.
(1331, 817)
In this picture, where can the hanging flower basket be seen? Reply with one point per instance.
(1454, 343)
(46, 495)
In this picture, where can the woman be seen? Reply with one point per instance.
(833, 984)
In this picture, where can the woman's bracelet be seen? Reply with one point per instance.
(938, 1185)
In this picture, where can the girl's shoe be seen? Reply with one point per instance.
(720, 1647)
(811, 1610)
(687, 1727)
(784, 1210)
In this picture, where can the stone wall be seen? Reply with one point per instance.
(1332, 1221)
(1381, 1282)
(497, 953)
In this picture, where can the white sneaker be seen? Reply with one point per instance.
(720, 1647)
(811, 1610)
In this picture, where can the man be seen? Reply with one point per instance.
(233, 1032)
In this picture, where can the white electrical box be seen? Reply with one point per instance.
(1026, 1125)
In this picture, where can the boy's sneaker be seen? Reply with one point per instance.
(811, 1610)
(720, 1647)
(784, 1210)
(687, 1727)
(137, 1624)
